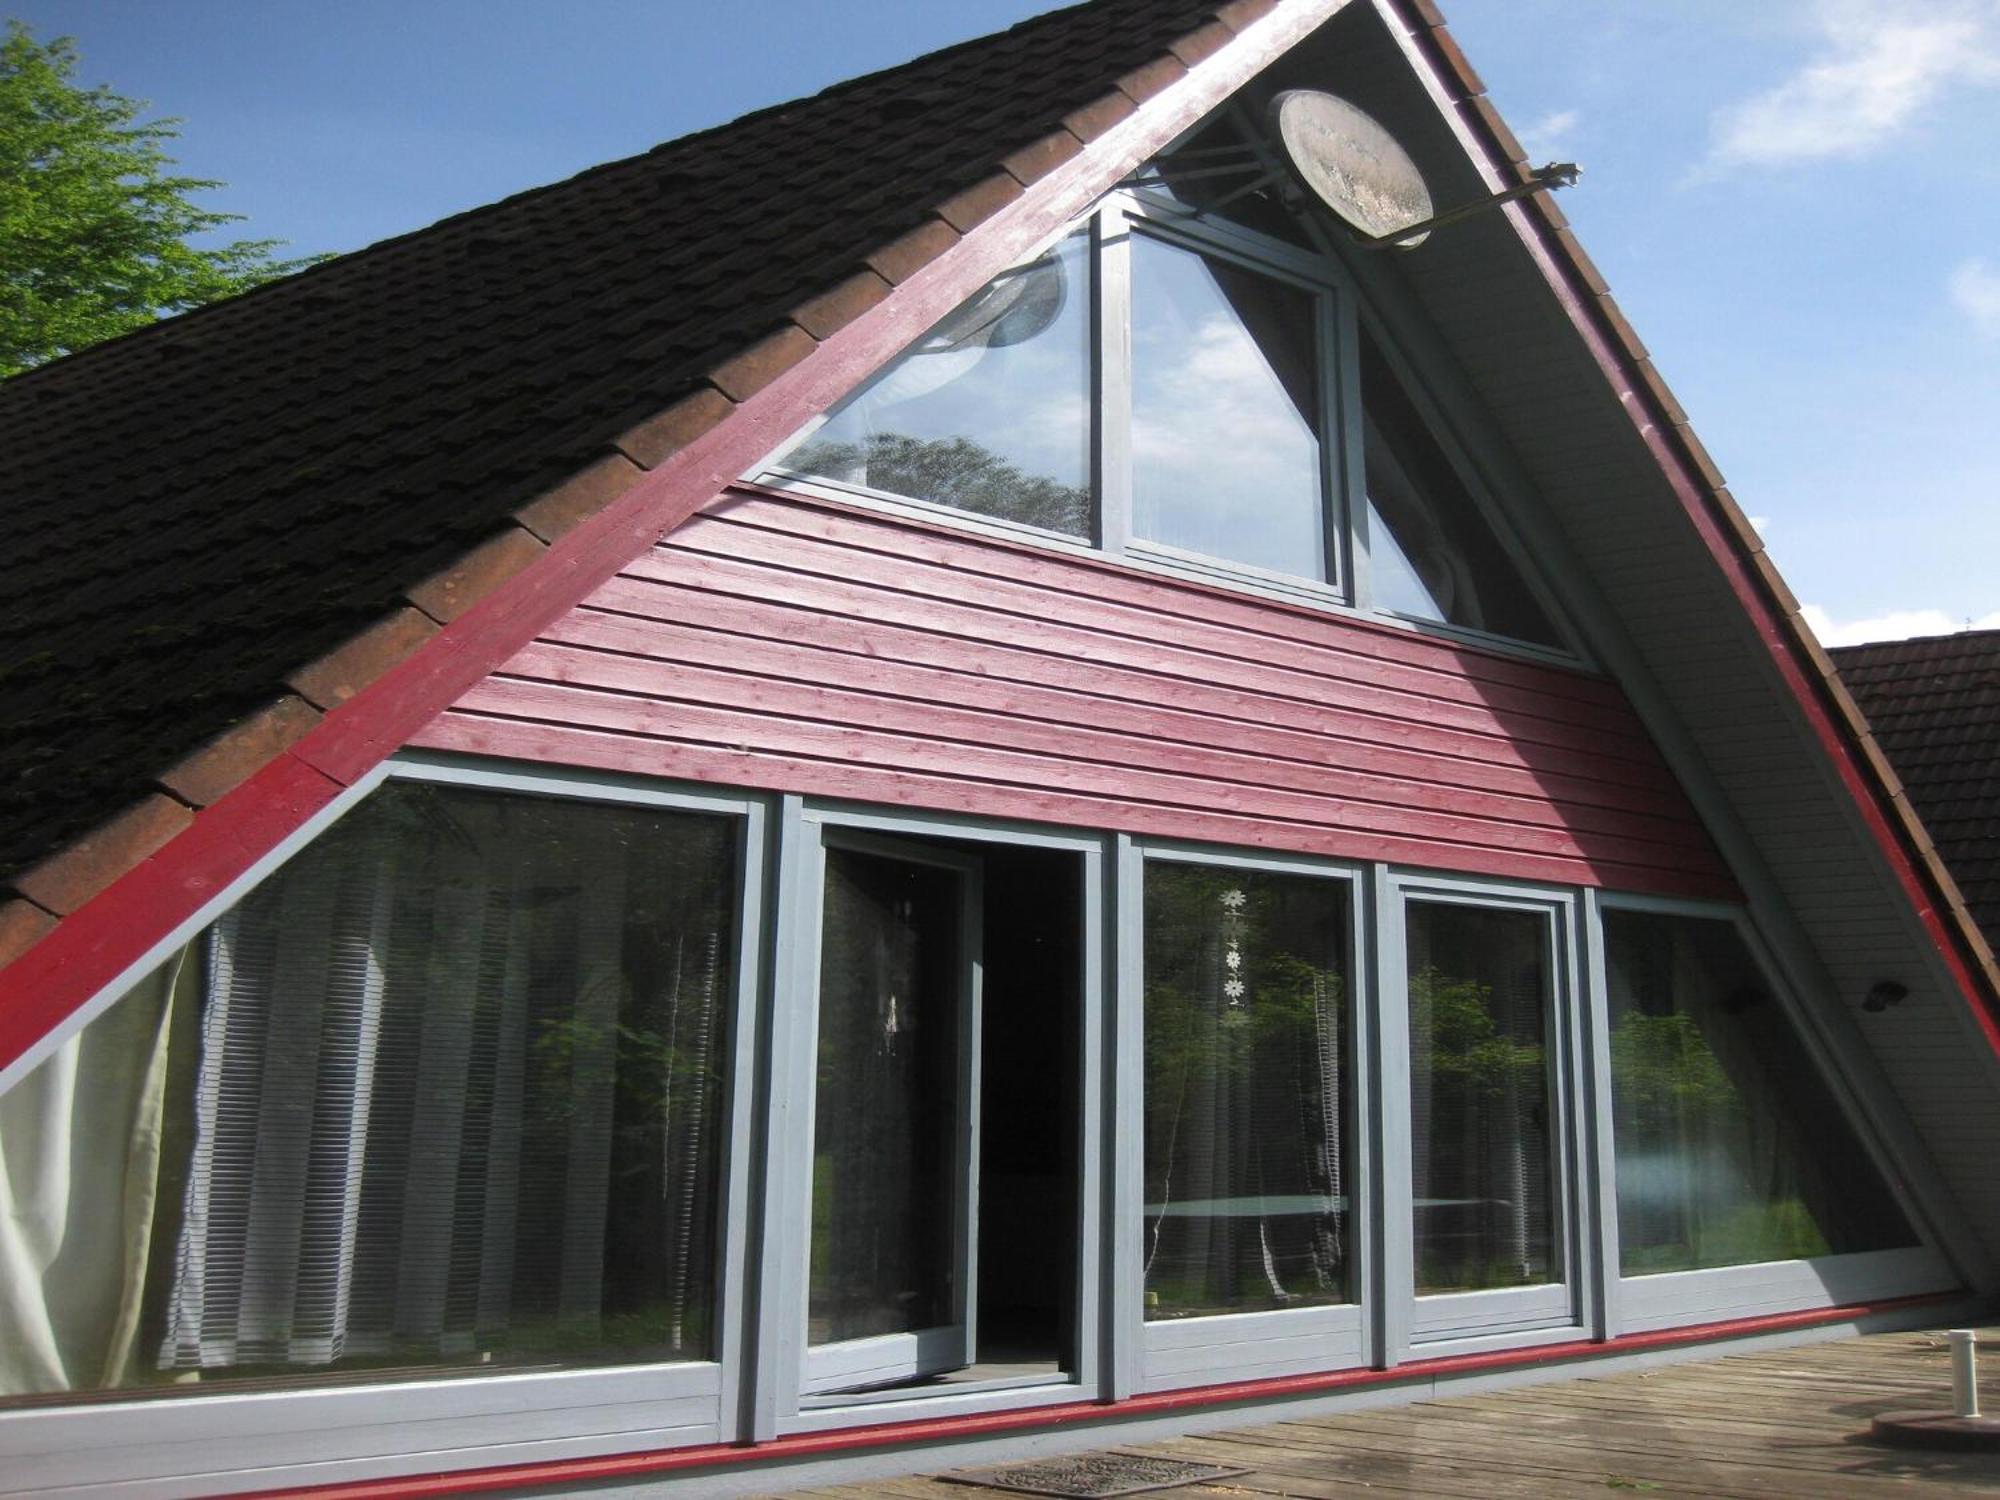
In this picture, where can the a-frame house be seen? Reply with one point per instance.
(928, 774)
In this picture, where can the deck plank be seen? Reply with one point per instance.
(1774, 1424)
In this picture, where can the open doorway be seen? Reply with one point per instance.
(945, 1212)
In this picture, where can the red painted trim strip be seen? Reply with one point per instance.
(92, 946)
(1772, 628)
(41, 988)
(943, 1429)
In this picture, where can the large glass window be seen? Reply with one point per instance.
(1484, 1152)
(1225, 412)
(1182, 386)
(1249, 1089)
(989, 411)
(443, 1093)
(1730, 1148)
(1431, 554)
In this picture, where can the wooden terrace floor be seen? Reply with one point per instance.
(1786, 1422)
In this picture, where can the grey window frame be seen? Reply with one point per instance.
(905, 1354)
(1341, 310)
(1165, 1355)
(777, 1404)
(1474, 1322)
(1668, 1299)
(297, 1433)
(319, 1433)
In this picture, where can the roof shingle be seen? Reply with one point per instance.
(197, 509)
(1934, 704)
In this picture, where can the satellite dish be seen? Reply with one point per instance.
(1012, 308)
(1351, 164)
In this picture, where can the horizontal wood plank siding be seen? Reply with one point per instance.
(789, 644)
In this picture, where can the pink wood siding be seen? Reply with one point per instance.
(792, 645)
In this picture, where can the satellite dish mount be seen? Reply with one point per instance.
(1346, 160)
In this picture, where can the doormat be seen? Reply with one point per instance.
(1093, 1476)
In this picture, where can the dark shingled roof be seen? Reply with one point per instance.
(1935, 707)
(198, 509)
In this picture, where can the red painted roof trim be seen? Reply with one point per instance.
(1568, 282)
(712, 1456)
(93, 946)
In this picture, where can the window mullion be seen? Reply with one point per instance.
(1345, 449)
(1112, 385)
(1598, 1178)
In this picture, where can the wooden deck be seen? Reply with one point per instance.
(1787, 1422)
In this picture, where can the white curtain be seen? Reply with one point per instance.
(80, 1152)
(372, 1109)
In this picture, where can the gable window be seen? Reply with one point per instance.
(1431, 554)
(1193, 395)
(986, 413)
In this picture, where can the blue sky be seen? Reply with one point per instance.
(1797, 202)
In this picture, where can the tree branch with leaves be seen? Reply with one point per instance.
(94, 226)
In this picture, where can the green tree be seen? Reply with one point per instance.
(93, 226)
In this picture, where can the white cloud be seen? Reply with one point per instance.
(1975, 291)
(1762, 525)
(1880, 63)
(1545, 137)
(1895, 625)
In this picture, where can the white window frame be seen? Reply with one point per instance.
(1165, 1354)
(164, 1442)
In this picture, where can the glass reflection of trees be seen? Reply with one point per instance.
(1248, 1085)
(1483, 1156)
(887, 1100)
(1730, 1148)
(988, 412)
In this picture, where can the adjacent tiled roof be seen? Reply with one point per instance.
(1935, 706)
(196, 511)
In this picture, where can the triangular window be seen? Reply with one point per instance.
(1731, 1148)
(988, 412)
(1180, 383)
(1432, 555)
(444, 1094)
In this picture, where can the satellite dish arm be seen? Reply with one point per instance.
(1556, 174)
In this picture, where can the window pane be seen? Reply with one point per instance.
(1431, 554)
(445, 1091)
(1482, 1150)
(1225, 401)
(1249, 1088)
(885, 1123)
(1730, 1149)
(989, 411)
